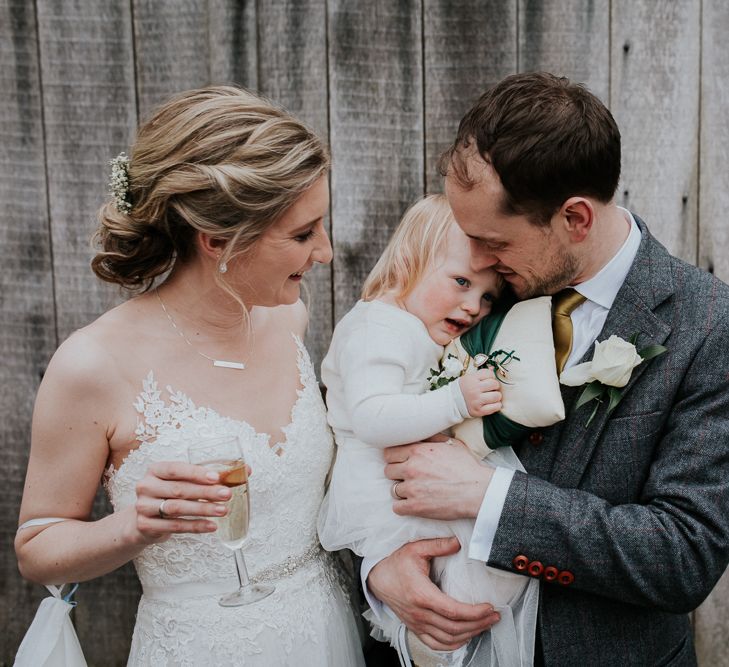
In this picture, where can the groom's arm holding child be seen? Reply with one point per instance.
(665, 550)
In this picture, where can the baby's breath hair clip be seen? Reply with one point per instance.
(119, 182)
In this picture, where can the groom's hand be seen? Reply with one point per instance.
(437, 479)
(402, 581)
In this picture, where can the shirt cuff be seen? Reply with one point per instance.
(489, 515)
(459, 399)
(364, 571)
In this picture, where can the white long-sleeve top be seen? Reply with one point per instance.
(375, 373)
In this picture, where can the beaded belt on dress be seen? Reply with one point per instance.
(201, 588)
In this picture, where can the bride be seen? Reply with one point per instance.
(225, 195)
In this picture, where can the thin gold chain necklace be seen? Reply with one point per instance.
(221, 363)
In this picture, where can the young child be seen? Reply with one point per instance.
(421, 295)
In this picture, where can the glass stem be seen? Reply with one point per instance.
(240, 568)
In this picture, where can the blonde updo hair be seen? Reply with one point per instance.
(219, 160)
(419, 240)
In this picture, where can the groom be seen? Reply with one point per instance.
(624, 518)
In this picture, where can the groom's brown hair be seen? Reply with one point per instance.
(547, 138)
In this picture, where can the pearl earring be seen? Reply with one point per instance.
(223, 268)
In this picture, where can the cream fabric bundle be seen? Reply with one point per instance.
(530, 391)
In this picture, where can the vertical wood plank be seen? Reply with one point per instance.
(172, 49)
(376, 112)
(292, 69)
(467, 46)
(28, 332)
(714, 188)
(711, 627)
(568, 38)
(88, 102)
(654, 97)
(233, 40)
(711, 620)
(89, 114)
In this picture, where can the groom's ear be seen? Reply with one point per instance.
(577, 214)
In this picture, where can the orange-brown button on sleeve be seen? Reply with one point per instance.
(550, 573)
(535, 568)
(520, 563)
(536, 438)
(565, 577)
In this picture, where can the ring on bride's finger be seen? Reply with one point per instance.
(161, 510)
(393, 491)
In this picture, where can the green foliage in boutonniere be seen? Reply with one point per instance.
(498, 360)
(609, 371)
(451, 367)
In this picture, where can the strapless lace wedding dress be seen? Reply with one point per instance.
(308, 620)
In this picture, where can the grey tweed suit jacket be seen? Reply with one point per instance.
(635, 506)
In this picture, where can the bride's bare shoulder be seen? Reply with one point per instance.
(97, 352)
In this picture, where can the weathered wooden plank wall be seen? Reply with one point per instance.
(87, 78)
(467, 45)
(296, 77)
(655, 98)
(376, 130)
(712, 618)
(385, 82)
(28, 333)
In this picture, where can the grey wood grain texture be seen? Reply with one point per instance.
(467, 46)
(654, 98)
(376, 120)
(711, 619)
(172, 51)
(714, 170)
(711, 627)
(233, 42)
(292, 71)
(28, 330)
(569, 38)
(89, 108)
(88, 102)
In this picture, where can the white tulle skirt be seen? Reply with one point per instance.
(357, 514)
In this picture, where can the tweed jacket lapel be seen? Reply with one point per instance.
(648, 283)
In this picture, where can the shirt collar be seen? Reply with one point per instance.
(603, 287)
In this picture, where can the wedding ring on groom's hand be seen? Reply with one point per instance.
(393, 491)
(161, 510)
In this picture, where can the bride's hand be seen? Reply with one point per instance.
(180, 486)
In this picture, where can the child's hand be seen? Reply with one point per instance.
(481, 391)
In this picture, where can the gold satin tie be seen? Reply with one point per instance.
(563, 303)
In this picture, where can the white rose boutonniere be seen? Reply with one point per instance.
(449, 369)
(609, 371)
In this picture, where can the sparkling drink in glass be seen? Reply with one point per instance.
(225, 456)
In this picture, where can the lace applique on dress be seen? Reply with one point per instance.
(307, 621)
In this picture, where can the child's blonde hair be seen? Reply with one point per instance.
(418, 240)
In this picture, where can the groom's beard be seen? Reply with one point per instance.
(561, 273)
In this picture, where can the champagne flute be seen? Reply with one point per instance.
(224, 455)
